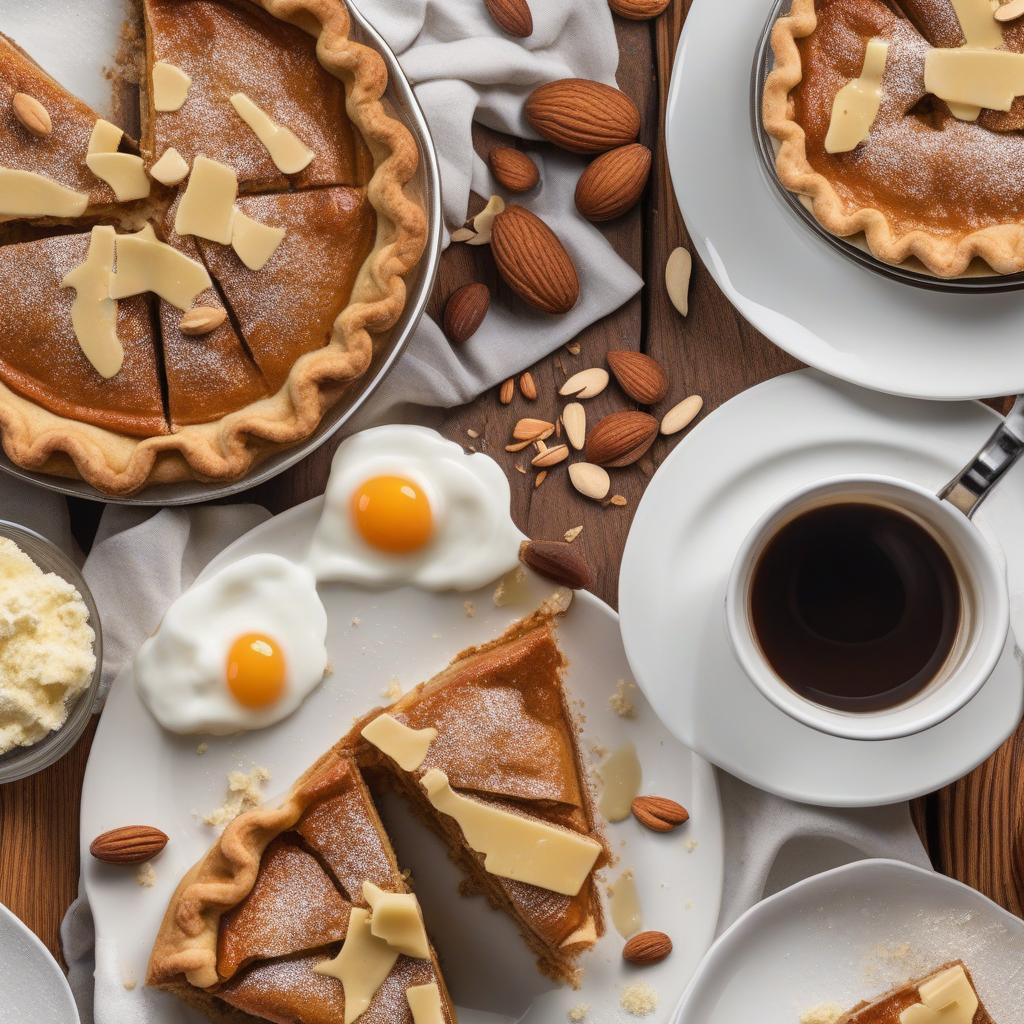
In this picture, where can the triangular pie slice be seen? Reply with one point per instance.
(229, 47)
(289, 306)
(251, 927)
(40, 356)
(505, 737)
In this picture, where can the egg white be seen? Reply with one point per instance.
(474, 541)
(180, 670)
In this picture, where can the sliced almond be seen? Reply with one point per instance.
(463, 235)
(574, 419)
(518, 446)
(507, 392)
(551, 456)
(677, 279)
(1011, 11)
(586, 384)
(619, 500)
(528, 429)
(682, 415)
(528, 387)
(32, 114)
(540, 478)
(571, 535)
(483, 222)
(202, 320)
(590, 480)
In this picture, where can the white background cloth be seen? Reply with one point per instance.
(142, 560)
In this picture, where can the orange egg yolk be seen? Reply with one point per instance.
(256, 671)
(392, 514)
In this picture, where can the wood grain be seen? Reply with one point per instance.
(974, 829)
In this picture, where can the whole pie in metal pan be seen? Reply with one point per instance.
(180, 308)
(902, 122)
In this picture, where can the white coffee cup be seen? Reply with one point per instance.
(984, 602)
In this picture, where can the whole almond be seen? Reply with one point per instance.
(550, 456)
(638, 10)
(512, 16)
(465, 311)
(682, 415)
(513, 169)
(659, 814)
(640, 376)
(530, 429)
(590, 480)
(557, 561)
(507, 392)
(585, 384)
(583, 116)
(131, 844)
(574, 419)
(32, 114)
(202, 320)
(621, 439)
(613, 184)
(678, 270)
(533, 262)
(528, 386)
(647, 948)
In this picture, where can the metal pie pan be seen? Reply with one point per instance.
(403, 105)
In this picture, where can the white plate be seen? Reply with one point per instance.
(32, 985)
(756, 450)
(851, 934)
(791, 285)
(138, 773)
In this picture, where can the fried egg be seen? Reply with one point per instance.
(238, 651)
(405, 506)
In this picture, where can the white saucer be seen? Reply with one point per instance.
(406, 634)
(754, 451)
(791, 285)
(32, 985)
(851, 934)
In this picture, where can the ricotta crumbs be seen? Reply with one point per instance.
(46, 649)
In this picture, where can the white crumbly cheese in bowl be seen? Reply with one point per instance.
(46, 649)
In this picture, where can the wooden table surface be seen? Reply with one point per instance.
(974, 829)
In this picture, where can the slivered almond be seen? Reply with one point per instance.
(574, 419)
(586, 384)
(528, 387)
(618, 500)
(528, 429)
(32, 114)
(507, 392)
(571, 534)
(682, 415)
(202, 320)
(518, 446)
(463, 235)
(550, 456)
(540, 478)
(677, 279)
(483, 222)
(590, 480)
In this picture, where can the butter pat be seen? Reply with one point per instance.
(289, 153)
(170, 169)
(856, 105)
(105, 138)
(46, 649)
(407, 747)
(425, 1004)
(124, 173)
(948, 998)
(27, 194)
(523, 849)
(396, 918)
(146, 265)
(170, 86)
(975, 77)
(254, 242)
(94, 312)
(207, 208)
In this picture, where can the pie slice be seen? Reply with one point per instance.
(947, 995)
(229, 47)
(504, 736)
(255, 929)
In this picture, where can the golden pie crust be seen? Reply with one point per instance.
(895, 188)
(46, 441)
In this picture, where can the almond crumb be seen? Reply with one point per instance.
(573, 348)
(578, 1013)
(620, 701)
(618, 500)
(473, 433)
(571, 535)
(129, 985)
(202, 749)
(145, 875)
(393, 690)
(691, 845)
(639, 1000)
(469, 608)
(356, 621)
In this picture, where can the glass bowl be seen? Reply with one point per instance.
(983, 280)
(21, 762)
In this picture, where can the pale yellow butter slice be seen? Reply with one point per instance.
(207, 208)
(425, 1004)
(170, 87)
(146, 265)
(105, 137)
(170, 169)
(124, 173)
(27, 194)
(975, 77)
(856, 105)
(396, 918)
(361, 966)
(523, 849)
(289, 153)
(94, 312)
(408, 747)
(254, 242)
(948, 998)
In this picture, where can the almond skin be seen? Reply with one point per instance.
(557, 561)
(32, 114)
(583, 116)
(638, 10)
(658, 813)
(465, 311)
(640, 376)
(131, 844)
(621, 439)
(511, 16)
(513, 169)
(613, 184)
(647, 948)
(533, 262)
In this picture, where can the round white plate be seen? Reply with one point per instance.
(32, 985)
(851, 934)
(792, 286)
(753, 452)
(138, 773)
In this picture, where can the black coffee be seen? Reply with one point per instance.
(856, 606)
